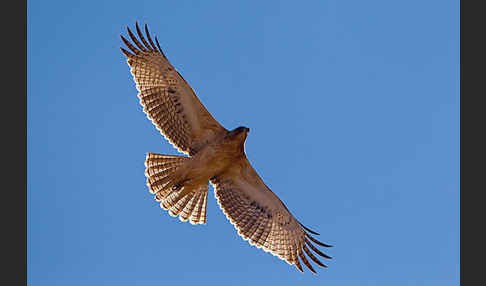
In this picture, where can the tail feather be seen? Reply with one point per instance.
(159, 169)
(202, 216)
(180, 205)
(196, 214)
(189, 208)
(185, 203)
(171, 200)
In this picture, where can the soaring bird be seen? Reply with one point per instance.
(213, 154)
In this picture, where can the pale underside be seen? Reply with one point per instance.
(257, 213)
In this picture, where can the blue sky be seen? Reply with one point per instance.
(354, 114)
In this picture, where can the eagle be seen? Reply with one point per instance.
(213, 154)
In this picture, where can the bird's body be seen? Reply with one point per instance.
(215, 155)
(212, 159)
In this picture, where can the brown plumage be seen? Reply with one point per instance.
(216, 155)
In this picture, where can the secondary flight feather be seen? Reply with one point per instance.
(215, 155)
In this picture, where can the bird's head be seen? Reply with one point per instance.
(238, 136)
(241, 129)
(240, 132)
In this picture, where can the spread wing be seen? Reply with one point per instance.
(167, 98)
(261, 217)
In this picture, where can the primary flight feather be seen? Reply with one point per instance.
(216, 155)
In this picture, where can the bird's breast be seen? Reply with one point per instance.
(214, 159)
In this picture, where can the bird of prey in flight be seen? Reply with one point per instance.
(215, 155)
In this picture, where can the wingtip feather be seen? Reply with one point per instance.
(298, 266)
(158, 45)
(309, 230)
(142, 38)
(126, 53)
(317, 241)
(149, 38)
(306, 262)
(316, 250)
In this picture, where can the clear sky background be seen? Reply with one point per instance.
(354, 114)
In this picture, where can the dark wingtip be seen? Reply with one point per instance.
(149, 38)
(317, 261)
(135, 40)
(125, 41)
(142, 38)
(309, 230)
(316, 250)
(306, 262)
(130, 46)
(298, 266)
(126, 53)
(158, 45)
(317, 241)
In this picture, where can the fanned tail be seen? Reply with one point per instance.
(162, 180)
